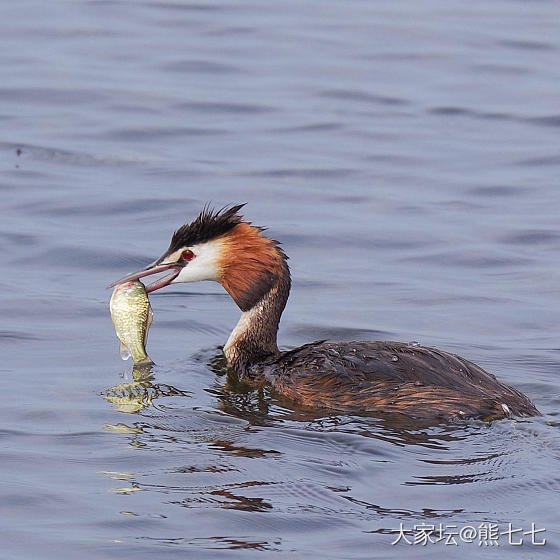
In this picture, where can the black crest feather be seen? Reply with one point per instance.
(208, 225)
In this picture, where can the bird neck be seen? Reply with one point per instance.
(254, 338)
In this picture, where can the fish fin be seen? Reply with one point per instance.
(125, 352)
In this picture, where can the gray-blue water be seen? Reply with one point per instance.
(406, 154)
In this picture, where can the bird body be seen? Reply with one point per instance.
(389, 377)
(368, 376)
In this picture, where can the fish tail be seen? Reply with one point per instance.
(147, 361)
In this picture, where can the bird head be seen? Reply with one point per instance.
(219, 246)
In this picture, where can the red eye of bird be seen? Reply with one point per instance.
(187, 255)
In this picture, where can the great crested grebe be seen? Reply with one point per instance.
(376, 377)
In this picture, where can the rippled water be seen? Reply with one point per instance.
(406, 155)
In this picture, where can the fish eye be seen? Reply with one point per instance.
(187, 255)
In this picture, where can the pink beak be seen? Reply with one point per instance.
(149, 270)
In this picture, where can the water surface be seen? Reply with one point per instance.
(405, 154)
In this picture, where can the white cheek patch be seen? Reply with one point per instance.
(204, 266)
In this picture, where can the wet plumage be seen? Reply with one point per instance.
(390, 377)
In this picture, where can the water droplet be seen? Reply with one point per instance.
(125, 352)
(394, 358)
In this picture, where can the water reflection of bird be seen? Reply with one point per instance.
(384, 377)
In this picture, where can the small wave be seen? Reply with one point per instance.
(14, 336)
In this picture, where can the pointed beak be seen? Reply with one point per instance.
(154, 268)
